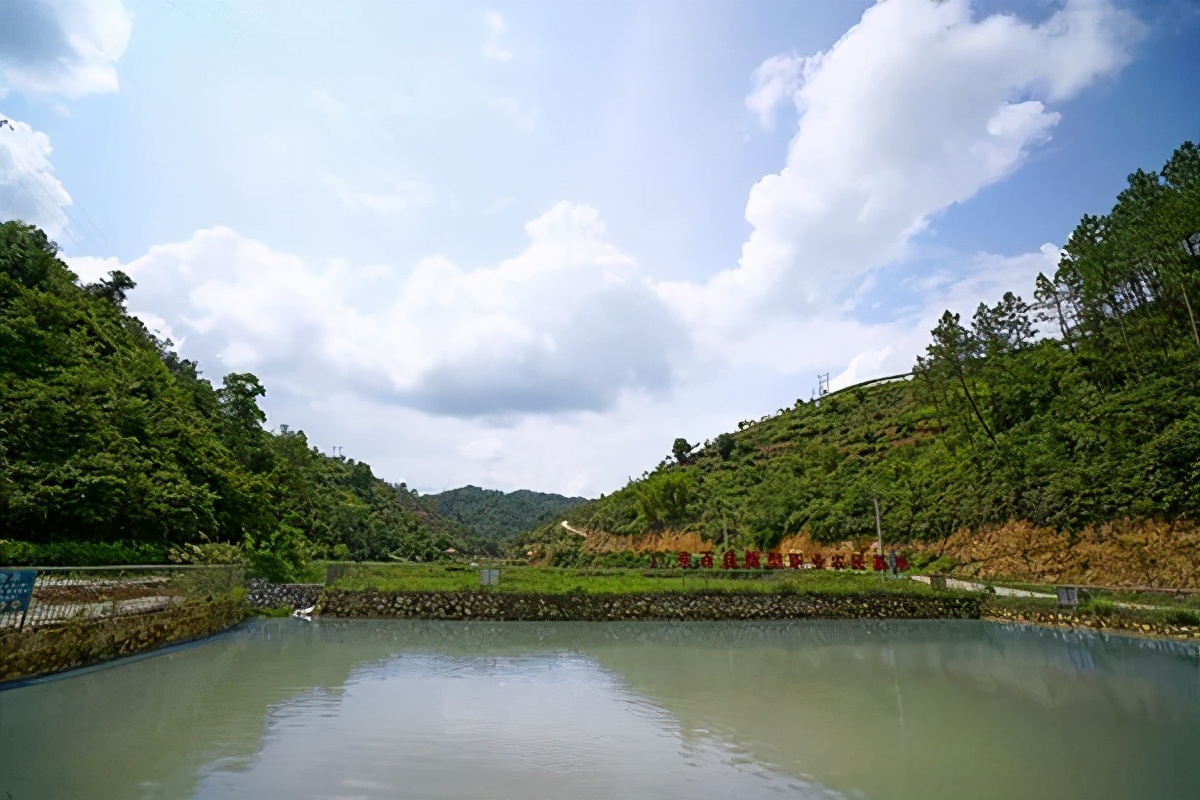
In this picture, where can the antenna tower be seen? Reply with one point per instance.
(822, 388)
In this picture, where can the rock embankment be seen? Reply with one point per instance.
(273, 595)
(1155, 629)
(663, 606)
(40, 651)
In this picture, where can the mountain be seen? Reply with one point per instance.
(1067, 414)
(107, 436)
(495, 516)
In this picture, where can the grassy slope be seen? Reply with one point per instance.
(803, 466)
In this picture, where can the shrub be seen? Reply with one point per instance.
(1183, 616)
(1099, 607)
(79, 554)
(939, 566)
(280, 557)
(207, 552)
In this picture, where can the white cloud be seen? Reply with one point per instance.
(915, 109)
(566, 324)
(29, 190)
(892, 347)
(494, 48)
(552, 369)
(775, 82)
(405, 196)
(524, 119)
(68, 47)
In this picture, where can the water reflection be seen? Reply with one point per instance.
(282, 708)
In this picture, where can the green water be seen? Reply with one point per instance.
(354, 710)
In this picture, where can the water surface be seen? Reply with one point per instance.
(397, 709)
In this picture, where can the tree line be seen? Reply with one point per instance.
(113, 446)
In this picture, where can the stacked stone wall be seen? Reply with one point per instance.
(37, 651)
(277, 595)
(485, 605)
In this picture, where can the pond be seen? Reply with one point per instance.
(398, 709)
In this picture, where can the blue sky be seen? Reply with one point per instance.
(529, 244)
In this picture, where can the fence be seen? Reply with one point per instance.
(61, 594)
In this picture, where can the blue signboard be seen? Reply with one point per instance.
(16, 587)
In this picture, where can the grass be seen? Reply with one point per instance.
(556, 581)
(1098, 608)
(273, 612)
(313, 573)
(1164, 600)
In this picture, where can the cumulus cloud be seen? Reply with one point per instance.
(567, 324)
(916, 108)
(29, 190)
(66, 47)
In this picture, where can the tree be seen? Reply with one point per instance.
(662, 499)
(1004, 327)
(682, 450)
(953, 348)
(26, 254)
(115, 289)
(1050, 299)
(725, 444)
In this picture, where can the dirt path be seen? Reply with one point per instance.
(972, 586)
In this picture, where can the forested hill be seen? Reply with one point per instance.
(495, 516)
(107, 436)
(1077, 408)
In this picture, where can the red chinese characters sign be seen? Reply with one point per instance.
(752, 559)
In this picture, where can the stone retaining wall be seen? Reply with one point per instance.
(40, 651)
(1098, 623)
(274, 595)
(485, 605)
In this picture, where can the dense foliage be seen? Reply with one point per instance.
(1078, 408)
(107, 436)
(495, 515)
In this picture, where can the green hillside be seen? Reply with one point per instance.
(495, 515)
(114, 448)
(1080, 407)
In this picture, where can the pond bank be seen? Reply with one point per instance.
(33, 652)
(695, 606)
(1098, 624)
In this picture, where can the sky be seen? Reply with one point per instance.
(527, 245)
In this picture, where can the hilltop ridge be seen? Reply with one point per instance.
(496, 515)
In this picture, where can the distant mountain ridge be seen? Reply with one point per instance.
(494, 514)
